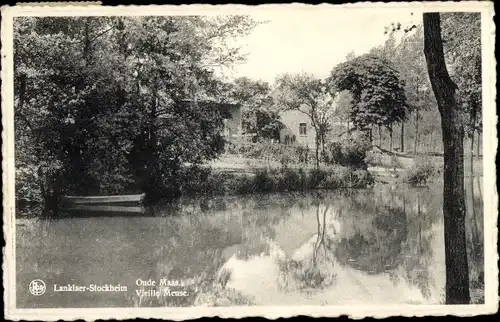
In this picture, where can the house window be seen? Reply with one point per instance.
(303, 129)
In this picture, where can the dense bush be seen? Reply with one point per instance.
(265, 180)
(194, 178)
(347, 153)
(289, 179)
(113, 129)
(421, 172)
(27, 186)
(315, 177)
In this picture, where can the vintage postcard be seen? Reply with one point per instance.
(190, 161)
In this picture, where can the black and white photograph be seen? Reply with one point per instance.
(223, 157)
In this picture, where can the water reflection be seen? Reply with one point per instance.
(380, 245)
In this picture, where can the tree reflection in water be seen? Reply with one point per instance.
(475, 237)
(313, 269)
(376, 245)
(386, 231)
(393, 237)
(418, 246)
(351, 244)
(392, 233)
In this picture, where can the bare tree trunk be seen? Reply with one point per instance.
(417, 117)
(479, 181)
(473, 122)
(402, 138)
(430, 141)
(323, 144)
(457, 271)
(420, 219)
(317, 150)
(478, 145)
(390, 136)
(472, 154)
(318, 239)
(380, 136)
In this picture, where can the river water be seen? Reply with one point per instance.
(382, 245)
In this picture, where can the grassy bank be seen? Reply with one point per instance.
(278, 180)
(207, 181)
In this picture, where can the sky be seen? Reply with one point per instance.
(313, 42)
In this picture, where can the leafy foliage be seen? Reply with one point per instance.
(462, 35)
(410, 62)
(258, 117)
(113, 104)
(344, 104)
(421, 172)
(347, 153)
(376, 87)
(312, 97)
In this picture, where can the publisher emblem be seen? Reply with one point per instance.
(37, 287)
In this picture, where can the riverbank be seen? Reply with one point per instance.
(235, 175)
(248, 180)
(383, 166)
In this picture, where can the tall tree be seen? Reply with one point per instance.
(344, 105)
(376, 88)
(312, 97)
(457, 276)
(430, 126)
(411, 63)
(407, 59)
(462, 31)
(258, 115)
(119, 100)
